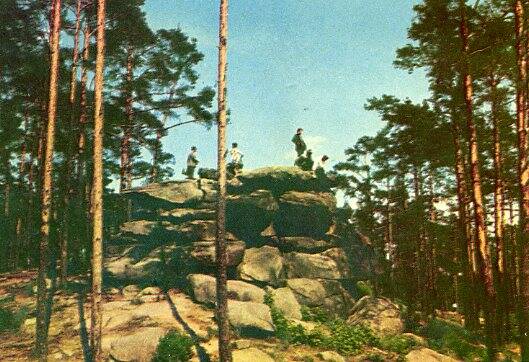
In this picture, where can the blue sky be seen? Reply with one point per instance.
(293, 63)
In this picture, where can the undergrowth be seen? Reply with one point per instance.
(10, 321)
(334, 334)
(174, 347)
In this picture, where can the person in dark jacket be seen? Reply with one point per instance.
(299, 143)
(192, 162)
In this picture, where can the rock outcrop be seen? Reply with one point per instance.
(282, 237)
(379, 314)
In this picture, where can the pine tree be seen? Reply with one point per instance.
(221, 252)
(97, 190)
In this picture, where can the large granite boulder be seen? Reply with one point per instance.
(379, 314)
(203, 252)
(427, 355)
(180, 215)
(204, 290)
(331, 264)
(285, 301)
(326, 294)
(250, 319)
(251, 354)
(138, 347)
(200, 230)
(166, 195)
(304, 213)
(138, 228)
(304, 244)
(262, 265)
(250, 214)
(278, 179)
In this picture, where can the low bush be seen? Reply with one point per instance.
(10, 321)
(331, 334)
(174, 347)
(398, 344)
(446, 336)
(314, 314)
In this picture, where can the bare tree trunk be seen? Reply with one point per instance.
(125, 167)
(485, 263)
(97, 190)
(157, 149)
(70, 149)
(498, 211)
(221, 253)
(465, 236)
(523, 177)
(41, 346)
(81, 142)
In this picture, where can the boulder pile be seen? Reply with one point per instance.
(282, 238)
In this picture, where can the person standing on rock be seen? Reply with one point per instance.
(235, 165)
(299, 143)
(319, 171)
(192, 162)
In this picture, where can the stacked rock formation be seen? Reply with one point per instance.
(282, 239)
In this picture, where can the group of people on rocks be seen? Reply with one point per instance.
(233, 167)
(304, 158)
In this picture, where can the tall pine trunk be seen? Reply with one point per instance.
(70, 152)
(125, 166)
(97, 190)
(46, 188)
(498, 211)
(221, 252)
(523, 177)
(485, 262)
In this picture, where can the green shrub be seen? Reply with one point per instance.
(314, 314)
(332, 334)
(174, 347)
(375, 357)
(446, 336)
(398, 344)
(11, 321)
(348, 339)
(364, 288)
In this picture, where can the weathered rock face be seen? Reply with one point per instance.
(203, 252)
(331, 264)
(380, 314)
(304, 214)
(326, 294)
(204, 290)
(139, 346)
(281, 236)
(278, 179)
(263, 264)
(427, 355)
(250, 319)
(286, 302)
(250, 214)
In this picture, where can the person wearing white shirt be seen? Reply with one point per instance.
(235, 165)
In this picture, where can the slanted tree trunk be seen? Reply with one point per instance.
(485, 262)
(221, 252)
(41, 346)
(523, 177)
(97, 190)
